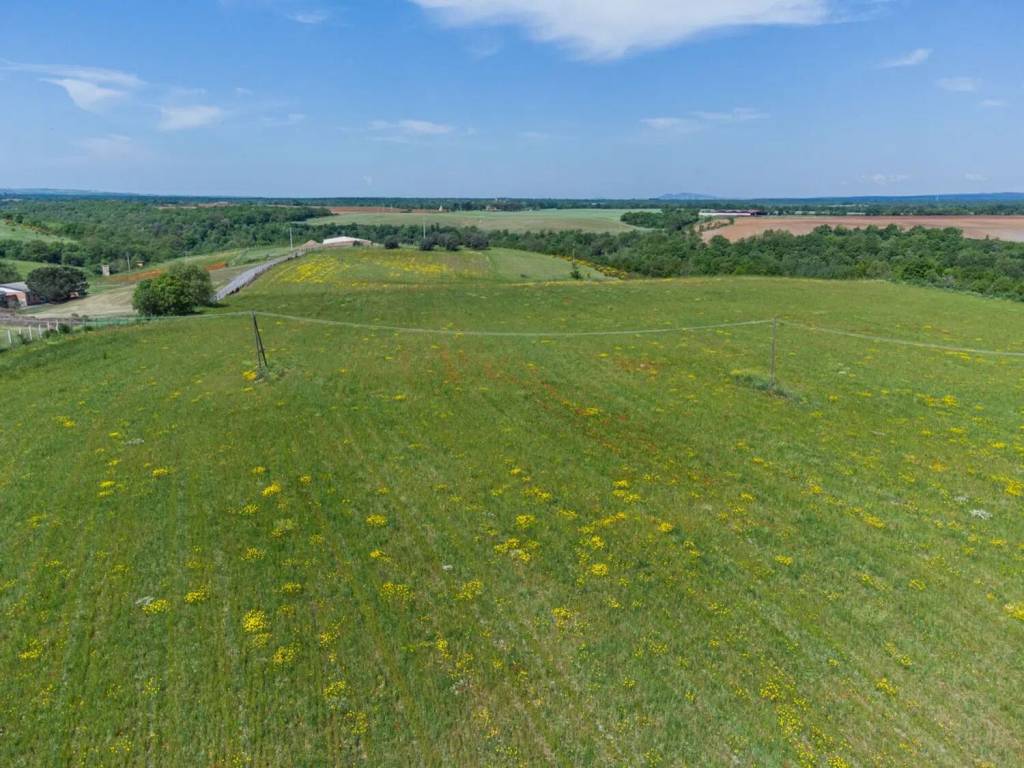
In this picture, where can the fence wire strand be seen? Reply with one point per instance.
(100, 323)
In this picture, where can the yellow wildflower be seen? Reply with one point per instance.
(254, 621)
(154, 607)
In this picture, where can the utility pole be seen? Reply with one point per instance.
(261, 353)
(291, 243)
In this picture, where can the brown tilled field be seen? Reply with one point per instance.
(1000, 227)
(377, 209)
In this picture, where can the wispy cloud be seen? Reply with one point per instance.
(292, 118)
(995, 103)
(736, 115)
(699, 121)
(673, 124)
(913, 59)
(976, 177)
(187, 117)
(309, 17)
(89, 88)
(600, 29)
(959, 84)
(885, 179)
(85, 95)
(411, 128)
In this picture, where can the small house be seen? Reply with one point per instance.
(16, 296)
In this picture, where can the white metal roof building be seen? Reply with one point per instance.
(345, 242)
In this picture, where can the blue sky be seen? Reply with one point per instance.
(563, 98)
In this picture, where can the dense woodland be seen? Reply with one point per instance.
(94, 232)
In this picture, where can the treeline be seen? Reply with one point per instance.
(110, 232)
(672, 219)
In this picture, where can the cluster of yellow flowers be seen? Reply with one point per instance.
(200, 595)
(255, 621)
(154, 607)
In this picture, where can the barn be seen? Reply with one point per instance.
(16, 296)
(346, 242)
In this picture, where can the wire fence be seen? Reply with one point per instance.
(13, 336)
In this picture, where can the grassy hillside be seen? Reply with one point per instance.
(11, 231)
(455, 549)
(586, 219)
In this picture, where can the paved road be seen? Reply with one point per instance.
(244, 279)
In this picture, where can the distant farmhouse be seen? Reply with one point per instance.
(730, 214)
(16, 296)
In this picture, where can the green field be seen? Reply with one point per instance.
(500, 545)
(9, 231)
(586, 219)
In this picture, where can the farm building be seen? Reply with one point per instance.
(16, 295)
(730, 214)
(345, 242)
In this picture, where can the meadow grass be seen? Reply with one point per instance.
(11, 231)
(446, 549)
(586, 219)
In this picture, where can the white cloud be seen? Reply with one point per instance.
(194, 116)
(293, 118)
(89, 88)
(673, 124)
(698, 121)
(885, 179)
(86, 95)
(912, 59)
(959, 84)
(737, 115)
(412, 127)
(610, 29)
(112, 77)
(995, 103)
(310, 17)
(975, 177)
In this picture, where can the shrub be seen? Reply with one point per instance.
(56, 284)
(391, 243)
(180, 291)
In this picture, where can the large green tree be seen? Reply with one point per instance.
(56, 284)
(182, 290)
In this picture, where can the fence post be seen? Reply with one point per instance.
(775, 334)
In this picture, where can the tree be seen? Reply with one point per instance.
(180, 291)
(8, 272)
(477, 241)
(197, 280)
(163, 295)
(56, 284)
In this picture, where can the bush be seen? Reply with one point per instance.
(178, 292)
(477, 241)
(198, 281)
(56, 284)
(391, 243)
